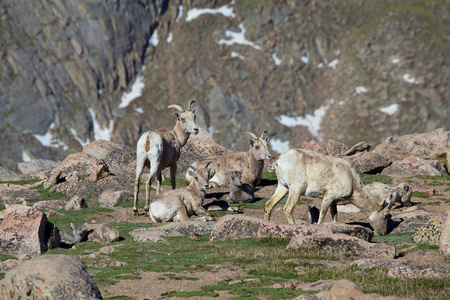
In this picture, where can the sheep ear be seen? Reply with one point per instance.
(210, 170)
(384, 204)
(241, 171)
(267, 138)
(194, 110)
(190, 172)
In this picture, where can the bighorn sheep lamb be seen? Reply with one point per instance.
(162, 148)
(252, 162)
(304, 172)
(400, 193)
(101, 233)
(239, 192)
(179, 205)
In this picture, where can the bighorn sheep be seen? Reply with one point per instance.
(304, 172)
(252, 162)
(162, 148)
(239, 192)
(400, 193)
(101, 233)
(179, 205)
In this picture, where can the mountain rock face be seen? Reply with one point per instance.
(76, 71)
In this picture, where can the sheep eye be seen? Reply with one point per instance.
(257, 147)
(196, 177)
(183, 120)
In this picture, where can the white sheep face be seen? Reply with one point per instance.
(378, 219)
(188, 121)
(259, 148)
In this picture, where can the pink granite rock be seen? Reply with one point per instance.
(232, 227)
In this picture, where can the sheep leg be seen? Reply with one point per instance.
(182, 215)
(294, 194)
(326, 202)
(173, 173)
(158, 182)
(333, 212)
(200, 211)
(153, 173)
(280, 192)
(139, 169)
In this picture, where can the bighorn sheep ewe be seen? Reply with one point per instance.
(179, 205)
(400, 193)
(162, 148)
(101, 233)
(239, 192)
(304, 172)
(252, 162)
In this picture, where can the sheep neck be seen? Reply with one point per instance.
(255, 168)
(362, 198)
(181, 135)
(196, 192)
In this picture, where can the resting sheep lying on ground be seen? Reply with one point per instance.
(304, 172)
(252, 163)
(179, 205)
(239, 192)
(400, 193)
(101, 233)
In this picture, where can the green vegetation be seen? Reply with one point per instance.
(369, 178)
(420, 194)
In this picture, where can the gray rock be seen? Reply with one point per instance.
(411, 165)
(112, 198)
(368, 162)
(116, 156)
(50, 204)
(25, 232)
(231, 227)
(37, 165)
(17, 194)
(335, 148)
(352, 230)
(76, 203)
(444, 242)
(342, 245)
(55, 276)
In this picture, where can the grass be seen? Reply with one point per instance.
(369, 178)
(420, 194)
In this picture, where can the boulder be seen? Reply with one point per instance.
(17, 194)
(422, 145)
(411, 165)
(50, 204)
(430, 233)
(241, 227)
(116, 156)
(25, 232)
(346, 290)
(83, 189)
(82, 163)
(342, 245)
(409, 220)
(314, 146)
(335, 148)
(37, 165)
(112, 198)
(368, 162)
(352, 230)
(444, 242)
(8, 175)
(76, 203)
(152, 235)
(55, 276)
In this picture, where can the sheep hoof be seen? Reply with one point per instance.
(136, 213)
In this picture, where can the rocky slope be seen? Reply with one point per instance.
(304, 70)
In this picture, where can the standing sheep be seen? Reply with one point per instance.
(304, 172)
(160, 149)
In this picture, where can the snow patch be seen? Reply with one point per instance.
(333, 63)
(180, 13)
(360, 89)
(276, 59)
(194, 13)
(47, 139)
(305, 59)
(395, 60)
(279, 146)
(136, 91)
(170, 38)
(235, 54)
(390, 110)
(238, 38)
(25, 156)
(320, 65)
(312, 122)
(139, 110)
(153, 40)
(100, 132)
(79, 140)
(409, 79)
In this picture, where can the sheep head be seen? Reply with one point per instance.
(258, 146)
(187, 120)
(378, 218)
